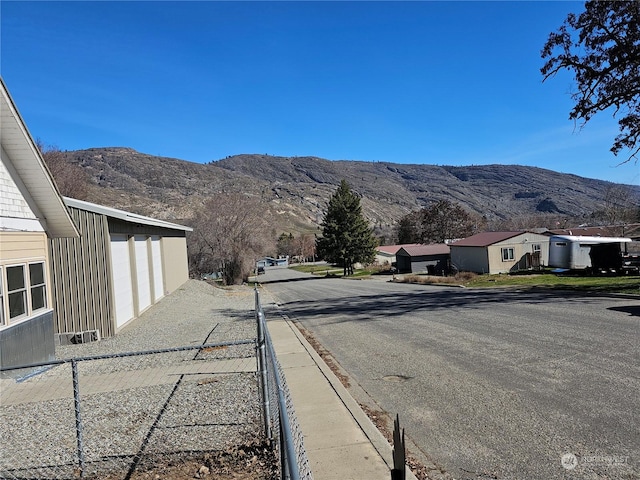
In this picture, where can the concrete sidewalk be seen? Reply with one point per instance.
(340, 440)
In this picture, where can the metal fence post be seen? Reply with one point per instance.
(399, 471)
(262, 366)
(76, 402)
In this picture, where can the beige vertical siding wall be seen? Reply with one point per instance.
(81, 277)
(174, 261)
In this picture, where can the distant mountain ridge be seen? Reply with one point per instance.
(295, 190)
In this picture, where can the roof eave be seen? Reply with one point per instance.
(123, 215)
(27, 162)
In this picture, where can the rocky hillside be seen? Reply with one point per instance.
(295, 190)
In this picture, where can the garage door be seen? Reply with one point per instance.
(158, 284)
(121, 268)
(142, 273)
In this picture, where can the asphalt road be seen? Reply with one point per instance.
(489, 384)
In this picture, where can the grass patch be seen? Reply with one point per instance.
(463, 278)
(318, 269)
(310, 268)
(372, 270)
(335, 271)
(622, 284)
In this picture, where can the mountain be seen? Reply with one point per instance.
(295, 190)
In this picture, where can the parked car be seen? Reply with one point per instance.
(631, 264)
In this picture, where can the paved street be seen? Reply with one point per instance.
(488, 383)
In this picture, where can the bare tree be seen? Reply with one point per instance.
(71, 179)
(620, 206)
(531, 221)
(441, 221)
(601, 46)
(304, 246)
(229, 233)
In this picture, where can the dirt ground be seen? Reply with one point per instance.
(248, 462)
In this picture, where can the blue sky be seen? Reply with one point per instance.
(446, 83)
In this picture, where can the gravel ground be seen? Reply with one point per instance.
(194, 314)
(157, 416)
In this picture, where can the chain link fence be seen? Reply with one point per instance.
(283, 425)
(119, 416)
(170, 413)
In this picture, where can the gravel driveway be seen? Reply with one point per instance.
(167, 415)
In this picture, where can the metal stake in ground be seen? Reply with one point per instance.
(76, 402)
(399, 471)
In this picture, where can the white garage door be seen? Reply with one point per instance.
(121, 268)
(142, 272)
(158, 285)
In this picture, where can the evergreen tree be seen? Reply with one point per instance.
(346, 236)
(284, 246)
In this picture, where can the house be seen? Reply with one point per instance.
(386, 254)
(500, 252)
(273, 262)
(432, 259)
(282, 262)
(120, 265)
(31, 211)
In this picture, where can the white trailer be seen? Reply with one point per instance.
(574, 252)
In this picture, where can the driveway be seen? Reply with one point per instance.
(501, 384)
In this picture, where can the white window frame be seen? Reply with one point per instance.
(42, 286)
(1, 297)
(23, 290)
(507, 254)
(536, 247)
(27, 292)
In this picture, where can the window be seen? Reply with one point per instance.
(536, 247)
(1, 300)
(38, 288)
(16, 291)
(507, 254)
(23, 291)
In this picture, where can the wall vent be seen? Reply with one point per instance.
(75, 338)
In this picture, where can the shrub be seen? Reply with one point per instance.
(457, 279)
(465, 276)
